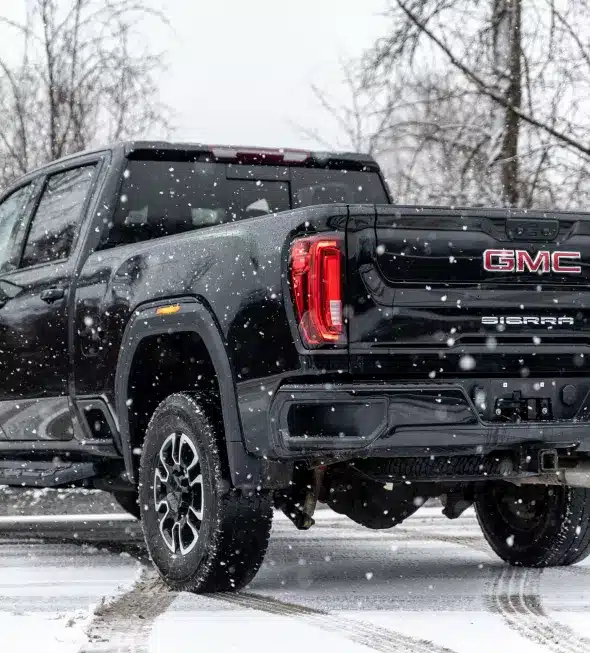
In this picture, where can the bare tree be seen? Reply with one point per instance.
(82, 76)
(491, 101)
(506, 57)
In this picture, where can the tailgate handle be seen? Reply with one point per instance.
(521, 229)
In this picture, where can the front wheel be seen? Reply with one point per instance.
(202, 535)
(535, 525)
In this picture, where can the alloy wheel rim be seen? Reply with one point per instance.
(523, 509)
(178, 493)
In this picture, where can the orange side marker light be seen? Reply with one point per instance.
(168, 310)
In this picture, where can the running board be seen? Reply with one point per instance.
(34, 473)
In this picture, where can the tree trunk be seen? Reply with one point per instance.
(507, 59)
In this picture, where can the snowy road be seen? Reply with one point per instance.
(427, 586)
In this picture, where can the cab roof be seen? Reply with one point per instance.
(167, 150)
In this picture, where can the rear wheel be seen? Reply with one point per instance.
(202, 535)
(535, 525)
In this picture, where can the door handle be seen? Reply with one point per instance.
(52, 295)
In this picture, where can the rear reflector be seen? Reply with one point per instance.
(316, 284)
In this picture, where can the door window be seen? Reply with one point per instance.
(57, 219)
(12, 214)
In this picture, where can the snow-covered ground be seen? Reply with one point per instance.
(73, 583)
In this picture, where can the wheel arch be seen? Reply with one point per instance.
(186, 315)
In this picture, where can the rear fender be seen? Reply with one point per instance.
(193, 316)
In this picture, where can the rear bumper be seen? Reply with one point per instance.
(407, 419)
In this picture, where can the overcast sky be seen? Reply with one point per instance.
(239, 71)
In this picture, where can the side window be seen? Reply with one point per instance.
(57, 219)
(12, 214)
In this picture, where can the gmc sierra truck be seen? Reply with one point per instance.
(214, 333)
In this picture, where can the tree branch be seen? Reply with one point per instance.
(486, 90)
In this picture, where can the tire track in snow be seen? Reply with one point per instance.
(124, 624)
(400, 533)
(470, 541)
(515, 596)
(368, 634)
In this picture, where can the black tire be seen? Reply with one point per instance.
(128, 501)
(234, 527)
(535, 525)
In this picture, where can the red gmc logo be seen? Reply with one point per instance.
(519, 260)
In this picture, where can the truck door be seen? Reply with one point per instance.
(34, 338)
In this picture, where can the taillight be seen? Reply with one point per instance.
(316, 283)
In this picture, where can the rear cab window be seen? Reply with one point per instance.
(161, 198)
(319, 186)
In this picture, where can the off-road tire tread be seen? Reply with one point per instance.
(243, 520)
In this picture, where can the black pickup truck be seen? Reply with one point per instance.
(214, 333)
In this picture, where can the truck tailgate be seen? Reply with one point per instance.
(437, 293)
